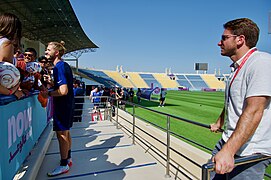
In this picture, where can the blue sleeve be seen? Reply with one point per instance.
(61, 78)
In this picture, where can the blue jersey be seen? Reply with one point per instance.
(63, 105)
(96, 97)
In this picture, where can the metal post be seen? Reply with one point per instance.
(110, 112)
(168, 145)
(204, 172)
(117, 114)
(133, 124)
(105, 109)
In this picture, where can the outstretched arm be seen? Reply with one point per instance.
(245, 128)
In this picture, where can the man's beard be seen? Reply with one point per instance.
(228, 52)
(51, 58)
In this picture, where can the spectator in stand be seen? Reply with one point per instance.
(31, 81)
(78, 100)
(94, 90)
(96, 98)
(44, 71)
(118, 90)
(121, 99)
(83, 86)
(125, 94)
(10, 36)
(138, 95)
(77, 89)
(106, 94)
(131, 95)
(46, 78)
(10, 39)
(113, 100)
(30, 55)
(18, 56)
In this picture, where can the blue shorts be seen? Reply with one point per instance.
(63, 121)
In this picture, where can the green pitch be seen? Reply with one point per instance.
(203, 107)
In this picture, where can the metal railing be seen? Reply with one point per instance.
(112, 103)
(207, 168)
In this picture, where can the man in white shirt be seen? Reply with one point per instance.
(247, 113)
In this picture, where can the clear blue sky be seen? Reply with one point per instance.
(151, 35)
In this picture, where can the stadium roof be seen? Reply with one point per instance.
(49, 20)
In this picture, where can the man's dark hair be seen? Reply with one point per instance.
(31, 50)
(246, 27)
(42, 58)
(77, 82)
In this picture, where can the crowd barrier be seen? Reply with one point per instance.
(179, 158)
(22, 122)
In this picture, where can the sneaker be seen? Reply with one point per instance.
(70, 162)
(59, 170)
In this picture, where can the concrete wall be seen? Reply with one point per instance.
(38, 46)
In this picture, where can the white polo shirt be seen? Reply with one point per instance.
(253, 79)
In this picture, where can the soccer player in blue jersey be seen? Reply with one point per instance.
(63, 99)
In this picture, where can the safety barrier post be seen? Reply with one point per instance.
(168, 149)
(133, 124)
(110, 110)
(117, 114)
(106, 109)
(205, 174)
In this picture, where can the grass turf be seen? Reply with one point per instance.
(203, 107)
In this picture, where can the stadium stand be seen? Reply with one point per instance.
(99, 77)
(124, 81)
(136, 79)
(150, 80)
(165, 81)
(98, 73)
(196, 81)
(183, 82)
(212, 81)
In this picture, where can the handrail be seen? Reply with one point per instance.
(170, 115)
(177, 118)
(207, 168)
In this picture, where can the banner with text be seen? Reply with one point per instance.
(22, 123)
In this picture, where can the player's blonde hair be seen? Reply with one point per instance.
(59, 46)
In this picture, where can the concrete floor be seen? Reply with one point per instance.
(101, 151)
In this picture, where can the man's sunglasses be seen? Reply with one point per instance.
(224, 37)
(30, 55)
